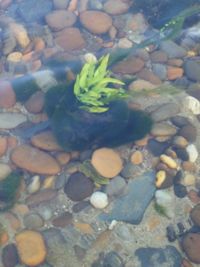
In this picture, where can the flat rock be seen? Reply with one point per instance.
(34, 160)
(41, 197)
(11, 120)
(180, 121)
(163, 129)
(158, 57)
(154, 257)
(116, 7)
(131, 207)
(97, 22)
(35, 103)
(63, 220)
(7, 95)
(70, 39)
(116, 187)
(61, 4)
(107, 162)
(141, 84)
(150, 76)
(46, 141)
(129, 66)
(33, 221)
(172, 49)
(157, 148)
(189, 132)
(60, 19)
(191, 246)
(165, 112)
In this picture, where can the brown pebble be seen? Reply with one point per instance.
(63, 158)
(63, 220)
(7, 95)
(174, 73)
(193, 196)
(3, 145)
(35, 103)
(189, 166)
(12, 142)
(186, 263)
(13, 221)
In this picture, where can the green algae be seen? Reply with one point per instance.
(8, 190)
(161, 210)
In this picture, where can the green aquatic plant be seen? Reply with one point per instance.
(161, 210)
(88, 170)
(93, 86)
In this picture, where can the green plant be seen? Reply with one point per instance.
(92, 86)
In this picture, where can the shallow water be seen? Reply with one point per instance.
(118, 187)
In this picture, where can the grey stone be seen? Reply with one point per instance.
(160, 70)
(130, 170)
(10, 120)
(10, 256)
(116, 186)
(165, 112)
(192, 70)
(172, 49)
(33, 221)
(157, 148)
(163, 129)
(162, 257)
(131, 207)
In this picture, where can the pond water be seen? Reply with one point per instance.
(99, 133)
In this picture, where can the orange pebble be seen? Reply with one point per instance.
(12, 142)
(4, 238)
(73, 5)
(63, 158)
(39, 44)
(36, 65)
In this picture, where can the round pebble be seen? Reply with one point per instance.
(180, 190)
(171, 163)
(33, 221)
(195, 215)
(99, 200)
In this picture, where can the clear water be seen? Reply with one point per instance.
(49, 135)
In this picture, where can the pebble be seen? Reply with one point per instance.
(172, 49)
(146, 74)
(164, 112)
(107, 162)
(5, 170)
(34, 160)
(63, 220)
(35, 103)
(141, 84)
(116, 187)
(180, 190)
(7, 95)
(192, 70)
(160, 178)
(33, 221)
(124, 42)
(70, 39)
(157, 148)
(186, 263)
(78, 187)
(195, 215)
(137, 157)
(191, 246)
(45, 141)
(3, 145)
(189, 179)
(80, 206)
(33, 254)
(189, 132)
(158, 57)
(182, 153)
(189, 166)
(192, 104)
(180, 141)
(163, 129)
(112, 259)
(96, 22)
(20, 34)
(10, 256)
(14, 57)
(63, 158)
(192, 152)
(179, 121)
(60, 19)
(171, 163)
(116, 7)
(164, 198)
(129, 66)
(11, 120)
(99, 200)
(174, 73)
(160, 70)
(41, 197)
(34, 185)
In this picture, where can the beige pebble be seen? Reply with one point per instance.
(160, 178)
(14, 57)
(180, 141)
(20, 34)
(63, 158)
(49, 182)
(137, 157)
(189, 179)
(189, 166)
(5, 170)
(34, 186)
(171, 163)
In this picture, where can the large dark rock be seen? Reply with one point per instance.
(191, 246)
(10, 256)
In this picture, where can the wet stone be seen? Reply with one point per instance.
(182, 154)
(189, 132)
(191, 246)
(63, 220)
(11, 120)
(157, 148)
(180, 121)
(41, 197)
(78, 187)
(165, 112)
(161, 257)
(163, 129)
(116, 187)
(172, 49)
(180, 190)
(131, 207)
(33, 221)
(112, 259)
(78, 207)
(195, 215)
(130, 170)
(192, 70)
(116, 7)
(129, 66)
(10, 256)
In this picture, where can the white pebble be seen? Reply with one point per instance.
(112, 224)
(34, 186)
(90, 58)
(192, 152)
(192, 104)
(165, 199)
(99, 200)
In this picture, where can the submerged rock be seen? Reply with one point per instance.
(131, 207)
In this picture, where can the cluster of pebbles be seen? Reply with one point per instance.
(56, 218)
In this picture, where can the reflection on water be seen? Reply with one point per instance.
(99, 113)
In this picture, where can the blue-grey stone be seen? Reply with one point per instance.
(116, 187)
(131, 207)
(130, 170)
(172, 49)
(34, 10)
(162, 257)
(192, 70)
(160, 70)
